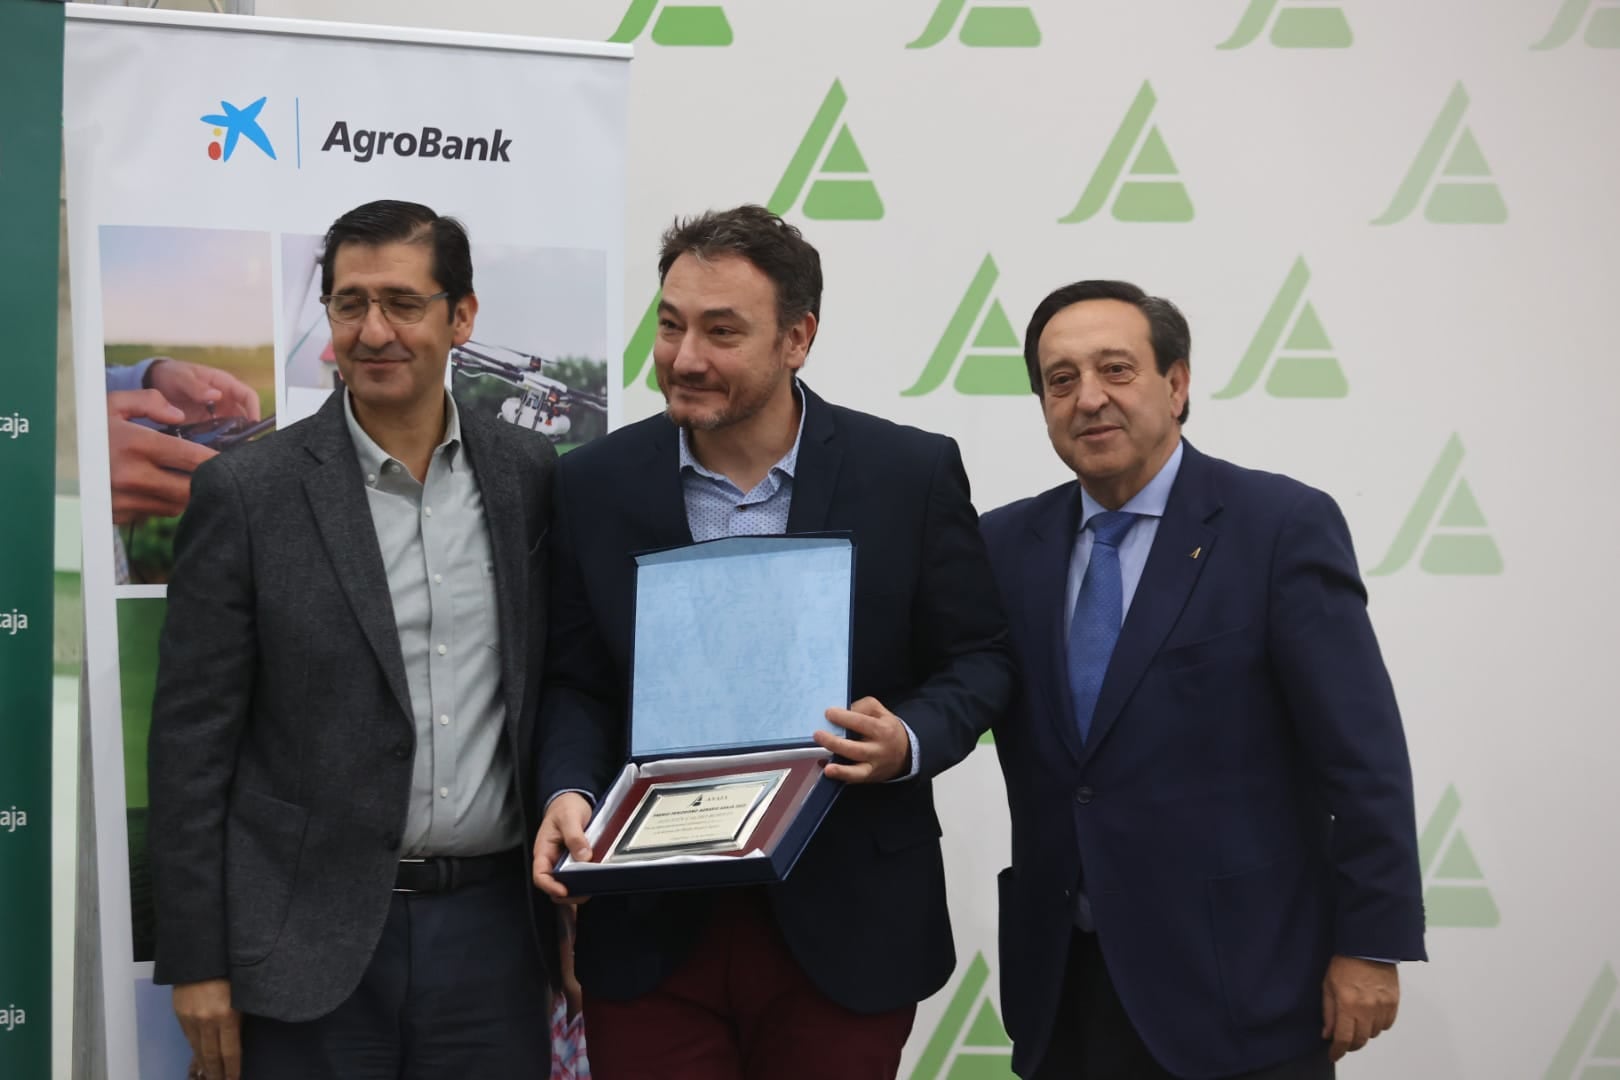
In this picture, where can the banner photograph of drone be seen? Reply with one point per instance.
(537, 357)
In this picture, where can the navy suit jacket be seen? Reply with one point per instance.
(1242, 810)
(864, 910)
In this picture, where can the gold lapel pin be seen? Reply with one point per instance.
(1196, 551)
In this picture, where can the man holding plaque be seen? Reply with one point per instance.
(1214, 863)
(339, 824)
(817, 976)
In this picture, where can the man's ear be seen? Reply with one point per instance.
(800, 336)
(462, 318)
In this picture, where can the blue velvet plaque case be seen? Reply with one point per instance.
(741, 645)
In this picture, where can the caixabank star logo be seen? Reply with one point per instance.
(234, 123)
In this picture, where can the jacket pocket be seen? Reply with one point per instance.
(1270, 928)
(264, 840)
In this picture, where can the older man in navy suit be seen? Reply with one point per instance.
(1214, 861)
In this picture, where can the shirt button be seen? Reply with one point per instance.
(438, 579)
(444, 793)
(443, 649)
(428, 510)
(371, 478)
(444, 720)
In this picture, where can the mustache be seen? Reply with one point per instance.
(388, 352)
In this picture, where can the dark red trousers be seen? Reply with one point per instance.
(741, 1009)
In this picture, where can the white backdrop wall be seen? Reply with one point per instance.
(1393, 226)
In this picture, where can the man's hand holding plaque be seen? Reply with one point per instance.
(880, 754)
(562, 830)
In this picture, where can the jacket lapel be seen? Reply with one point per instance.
(1046, 574)
(815, 474)
(502, 497)
(1180, 551)
(659, 507)
(342, 514)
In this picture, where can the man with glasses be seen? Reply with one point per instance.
(338, 816)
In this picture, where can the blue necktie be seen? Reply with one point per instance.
(1097, 615)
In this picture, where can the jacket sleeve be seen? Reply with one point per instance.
(207, 661)
(582, 700)
(1343, 708)
(959, 631)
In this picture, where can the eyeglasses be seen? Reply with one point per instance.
(401, 309)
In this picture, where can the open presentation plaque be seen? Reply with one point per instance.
(740, 646)
(696, 817)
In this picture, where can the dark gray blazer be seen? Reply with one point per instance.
(282, 740)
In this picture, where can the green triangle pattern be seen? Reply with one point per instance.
(845, 156)
(1311, 28)
(1603, 32)
(692, 25)
(987, 1030)
(1458, 863)
(1463, 511)
(1608, 1044)
(981, 1066)
(1467, 159)
(1308, 333)
(841, 196)
(1154, 157)
(1000, 28)
(1466, 203)
(996, 332)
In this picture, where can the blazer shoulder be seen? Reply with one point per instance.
(1260, 491)
(610, 452)
(1004, 519)
(910, 445)
(271, 459)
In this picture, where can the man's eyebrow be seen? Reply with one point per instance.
(710, 313)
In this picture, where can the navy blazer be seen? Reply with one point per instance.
(1242, 809)
(864, 911)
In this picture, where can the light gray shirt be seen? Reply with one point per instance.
(441, 577)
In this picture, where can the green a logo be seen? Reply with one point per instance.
(970, 1043)
(638, 350)
(994, 363)
(1301, 24)
(1591, 1050)
(842, 191)
(1454, 892)
(678, 24)
(990, 24)
(1459, 541)
(1465, 194)
(1161, 197)
(1304, 366)
(1602, 19)
(843, 188)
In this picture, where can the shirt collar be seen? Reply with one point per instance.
(373, 457)
(789, 461)
(1149, 502)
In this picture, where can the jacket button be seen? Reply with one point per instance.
(1084, 796)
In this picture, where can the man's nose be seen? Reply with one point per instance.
(376, 331)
